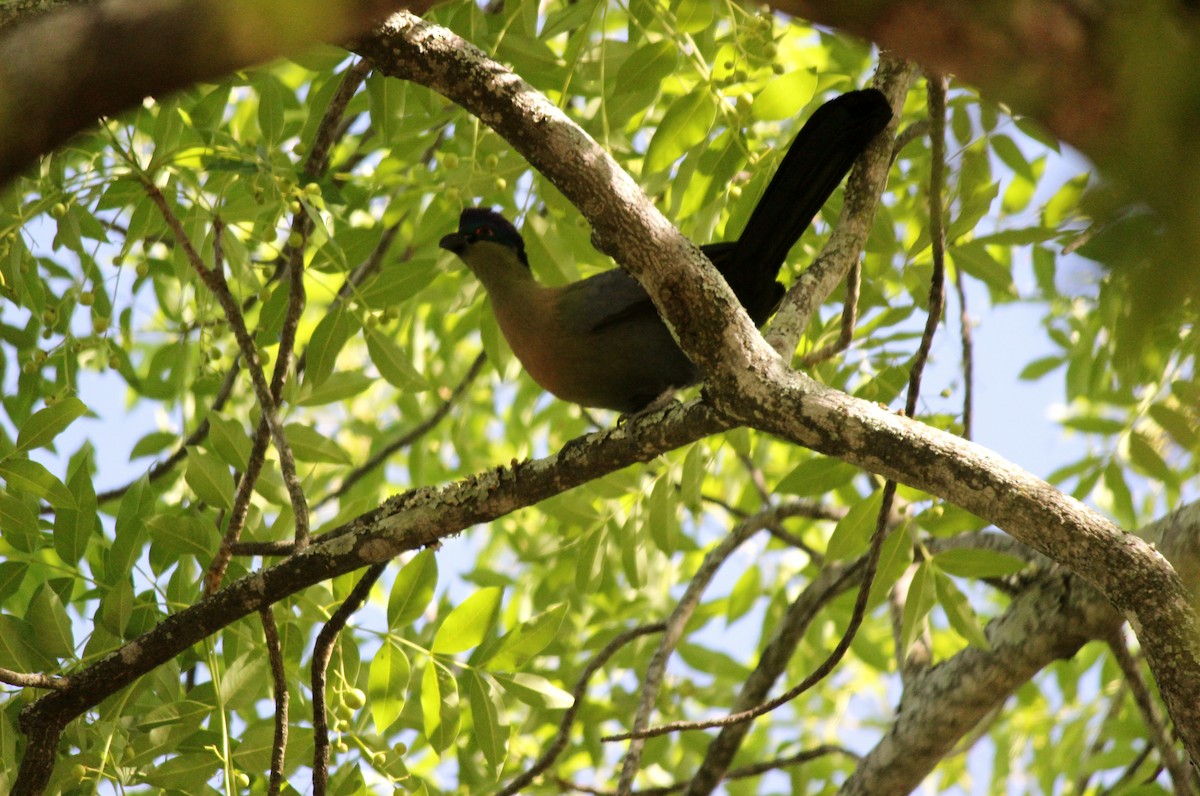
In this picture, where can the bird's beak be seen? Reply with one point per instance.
(454, 242)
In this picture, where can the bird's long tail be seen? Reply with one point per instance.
(815, 164)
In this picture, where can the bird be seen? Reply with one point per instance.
(600, 342)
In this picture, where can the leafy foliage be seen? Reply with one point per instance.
(461, 666)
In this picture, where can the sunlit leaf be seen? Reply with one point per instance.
(467, 625)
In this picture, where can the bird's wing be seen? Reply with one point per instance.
(606, 299)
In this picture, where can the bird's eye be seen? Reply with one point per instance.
(484, 232)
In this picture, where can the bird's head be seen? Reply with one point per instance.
(482, 231)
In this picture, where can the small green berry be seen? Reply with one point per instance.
(100, 324)
(143, 268)
(58, 210)
(49, 316)
(295, 240)
(450, 161)
(501, 183)
(354, 698)
(492, 161)
(87, 298)
(29, 368)
(312, 189)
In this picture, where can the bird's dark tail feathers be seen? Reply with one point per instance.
(815, 164)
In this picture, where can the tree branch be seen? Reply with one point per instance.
(64, 69)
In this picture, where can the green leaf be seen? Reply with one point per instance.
(393, 365)
(46, 424)
(960, 613)
(270, 109)
(1122, 500)
(1180, 426)
(661, 519)
(1008, 152)
(469, 623)
(183, 773)
(387, 685)
(242, 683)
(588, 562)
(439, 707)
(1040, 367)
(685, 124)
(209, 478)
(692, 479)
(921, 594)
(487, 712)
(18, 524)
(1148, 459)
(398, 283)
(385, 98)
(54, 638)
(649, 65)
(818, 475)
(852, 535)
(184, 534)
(309, 445)
(326, 343)
(784, 96)
(693, 16)
(413, 589)
(230, 440)
(976, 260)
(150, 444)
(26, 475)
(1095, 425)
(966, 562)
(116, 607)
(16, 644)
(338, 387)
(12, 573)
(525, 641)
(535, 691)
(135, 508)
(74, 528)
(744, 593)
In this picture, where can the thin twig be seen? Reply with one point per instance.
(676, 624)
(322, 652)
(909, 134)
(1101, 738)
(410, 436)
(292, 263)
(26, 680)
(968, 353)
(279, 676)
(554, 749)
(755, 770)
(849, 319)
(215, 281)
(1142, 697)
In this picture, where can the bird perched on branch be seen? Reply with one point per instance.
(600, 342)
